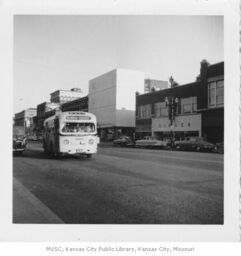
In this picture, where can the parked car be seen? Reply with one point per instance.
(19, 140)
(32, 137)
(220, 147)
(124, 141)
(195, 144)
(151, 142)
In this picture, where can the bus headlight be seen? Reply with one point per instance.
(66, 142)
(91, 141)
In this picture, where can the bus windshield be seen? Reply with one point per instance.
(78, 127)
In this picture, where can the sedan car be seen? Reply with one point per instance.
(220, 147)
(195, 144)
(124, 141)
(151, 142)
(19, 140)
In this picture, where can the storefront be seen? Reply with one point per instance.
(182, 127)
(195, 109)
(143, 128)
(110, 133)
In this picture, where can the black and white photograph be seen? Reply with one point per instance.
(118, 119)
(120, 123)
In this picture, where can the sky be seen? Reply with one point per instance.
(66, 51)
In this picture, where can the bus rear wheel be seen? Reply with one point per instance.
(89, 155)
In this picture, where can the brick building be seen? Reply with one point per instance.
(194, 109)
(61, 96)
(80, 104)
(44, 110)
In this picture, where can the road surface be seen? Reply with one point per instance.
(120, 186)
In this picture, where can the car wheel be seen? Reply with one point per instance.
(198, 149)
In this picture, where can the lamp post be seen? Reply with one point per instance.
(171, 103)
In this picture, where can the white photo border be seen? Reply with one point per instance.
(124, 233)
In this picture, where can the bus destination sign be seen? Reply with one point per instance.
(78, 118)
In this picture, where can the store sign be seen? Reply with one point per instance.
(181, 123)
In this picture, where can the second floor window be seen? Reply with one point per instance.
(216, 93)
(161, 109)
(144, 111)
(188, 105)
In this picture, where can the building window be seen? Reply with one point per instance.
(211, 94)
(219, 93)
(144, 111)
(216, 93)
(194, 104)
(157, 109)
(188, 105)
(161, 109)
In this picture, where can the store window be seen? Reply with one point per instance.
(216, 93)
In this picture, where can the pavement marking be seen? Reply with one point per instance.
(35, 204)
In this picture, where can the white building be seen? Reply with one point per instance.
(112, 99)
(25, 117)
(62, 96)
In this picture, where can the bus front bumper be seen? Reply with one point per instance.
(78, 151)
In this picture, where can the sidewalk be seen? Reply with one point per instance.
(29, 209)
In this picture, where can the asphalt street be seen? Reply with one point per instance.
(119, 186)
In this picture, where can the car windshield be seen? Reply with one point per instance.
(78, 127)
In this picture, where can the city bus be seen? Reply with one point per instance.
(70, 133)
